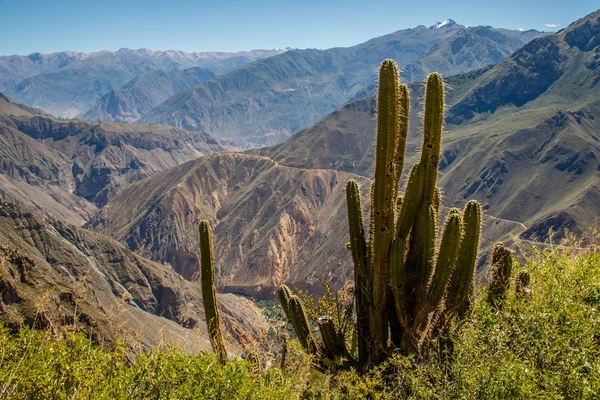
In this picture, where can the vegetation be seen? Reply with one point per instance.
(406, 291)
(547, 346)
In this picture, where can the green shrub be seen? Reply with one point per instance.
(546, 346)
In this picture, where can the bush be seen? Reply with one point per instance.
(543, 346)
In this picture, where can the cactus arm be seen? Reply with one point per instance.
(421, 252)
(207, 277)
(411, 201)
(399, 284)
(404, 114)
(501, 269)
(383, 205)
(284, 293)
(333, 343)
(445, 265)
(301, 326)
(522, 281)
(432, 133)
(360, 255)
(461, 283)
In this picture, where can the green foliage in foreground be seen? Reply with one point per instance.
(546, 345)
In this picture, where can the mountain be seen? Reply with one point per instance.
(521, 137)
(266, 101)
(143, 93)
(69, 83)
(57, 274)
(69, 168)
(467, 50)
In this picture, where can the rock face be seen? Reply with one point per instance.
(52, 273)
(278, 213)
(69, 168)
(264, 102)
(268, 220)
(143, 93)
(69, 83)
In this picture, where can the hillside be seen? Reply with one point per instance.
(264, 102)
(143, 93)
(56, 274)
(69, 168)
(541, 347)
(69, 83)
(279, 213)
(466, 50)
(529, 120)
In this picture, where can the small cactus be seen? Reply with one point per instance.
(522, 281)
(501, 270)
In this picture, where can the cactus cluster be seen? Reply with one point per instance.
(406, 290)
(403, 285)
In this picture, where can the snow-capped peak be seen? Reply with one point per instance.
(445, 23)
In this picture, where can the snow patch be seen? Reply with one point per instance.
(445, 23)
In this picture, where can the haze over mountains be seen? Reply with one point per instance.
(252, 103)
(522, 137)
(69, 83)
(265, 102)
(143, 93)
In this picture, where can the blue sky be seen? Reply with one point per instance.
(46, 26)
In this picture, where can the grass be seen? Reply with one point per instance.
(546, 346)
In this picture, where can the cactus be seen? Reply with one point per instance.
(522, 281)
(296, 315)
(501, 270)
(207, 277)
(402, 283)
(461, 286)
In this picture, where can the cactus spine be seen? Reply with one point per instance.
(207, 277)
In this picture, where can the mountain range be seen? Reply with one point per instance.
(265, 102)
(143, 93)
(103, 216)
(67, 169)
(521, 137)
(68, 83)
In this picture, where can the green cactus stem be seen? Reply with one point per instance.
(460, 288)
(362, 287)
(207, 277)
(384, 195)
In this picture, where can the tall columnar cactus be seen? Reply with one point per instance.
(402, 283)
(501, 270)
(402, 262)
(207, 277)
